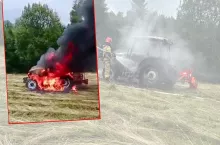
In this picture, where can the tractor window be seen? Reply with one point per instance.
(146, 47)
(152, 48)
(156, 49)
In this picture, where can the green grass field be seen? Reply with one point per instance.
(26, 106)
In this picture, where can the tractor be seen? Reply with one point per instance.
(40, 79)
(146, 63)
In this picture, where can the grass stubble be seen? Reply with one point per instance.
(26, 106)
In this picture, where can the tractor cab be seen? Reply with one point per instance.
(150, 46)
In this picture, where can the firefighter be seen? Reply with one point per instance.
(107, 56)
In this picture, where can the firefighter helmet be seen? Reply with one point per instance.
(108, 40)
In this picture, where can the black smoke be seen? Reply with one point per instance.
(79, 41)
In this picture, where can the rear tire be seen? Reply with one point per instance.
(149, 77)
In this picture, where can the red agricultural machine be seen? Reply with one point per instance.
(187, 77)
(40, 79)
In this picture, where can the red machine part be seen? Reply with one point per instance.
(79, 78)
(193, 83)
(187, 77)
(50, 79)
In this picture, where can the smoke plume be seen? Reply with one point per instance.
(180, 53)
(77, 51)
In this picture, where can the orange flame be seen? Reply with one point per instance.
(51, 82)
(49, 79)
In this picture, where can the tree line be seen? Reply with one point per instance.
(37, 29)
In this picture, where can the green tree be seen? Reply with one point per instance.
(12, 59)
(35, 31)
(161, 25)
(102, 20)
(74, 14)
(198, 21)
(139, 8)
(115, 23)
(138, 12)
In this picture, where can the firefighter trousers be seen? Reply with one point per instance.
(107, 68)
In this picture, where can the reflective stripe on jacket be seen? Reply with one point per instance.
(107, 51)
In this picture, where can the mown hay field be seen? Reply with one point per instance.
(154, 117)
(26, 106)
(129, 116)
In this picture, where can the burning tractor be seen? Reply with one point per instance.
(44, 80)
(147, 63)
(52, 73)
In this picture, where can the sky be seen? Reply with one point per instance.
(13, 8)
(166, 7)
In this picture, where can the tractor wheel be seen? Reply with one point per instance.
(32, 85)
(149, 77)
(68, 84)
